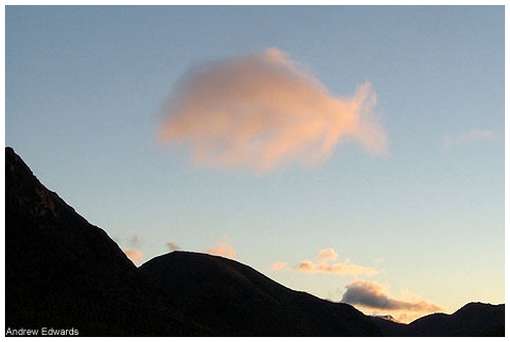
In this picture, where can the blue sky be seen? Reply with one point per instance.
(84, 92)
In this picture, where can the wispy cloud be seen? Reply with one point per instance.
(172, 246)
(327, 254)
(135, 255)
(471, 136)
(261, 111)
(340, 268)
(373, 295)
(135, 240)
(326, 262)
(279, 266)
(223, 249)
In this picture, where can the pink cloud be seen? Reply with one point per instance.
(327, 254)
(135, 255)
(339, 268)
(223, 249)
(262, 110)
(326, 262)
(279, 266)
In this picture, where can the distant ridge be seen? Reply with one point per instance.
(473, 319)
(63, 272)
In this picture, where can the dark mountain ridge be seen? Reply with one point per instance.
(467, 321)
(233, 297)
(63, 272)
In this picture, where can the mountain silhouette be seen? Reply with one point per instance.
(63, 272)
(233, 297)
(473, 319)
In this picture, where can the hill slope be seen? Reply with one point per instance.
(237, 300)
(473, 319)
(63, 272)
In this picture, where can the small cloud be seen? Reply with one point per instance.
(468, 137)
(223, 249)
(135, 241)
(339, 268)
(279, 266)
(326, 262)
(263, 110)
(135, 255)
(327, 254)
(133, 252)
(372, 295)
(306, 266)
(172, 246)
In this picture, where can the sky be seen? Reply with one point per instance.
(356, 153)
